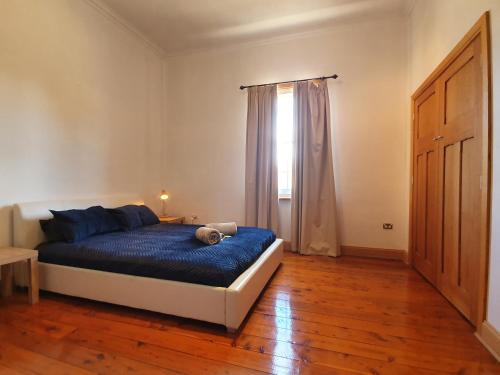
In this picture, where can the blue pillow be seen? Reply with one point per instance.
(148, 217)
(128, 216)
(51, 230)
(109, 223)
(75, 225)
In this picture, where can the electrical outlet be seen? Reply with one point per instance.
(387, 226)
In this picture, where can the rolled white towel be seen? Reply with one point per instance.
(209, 236)
(227, 229)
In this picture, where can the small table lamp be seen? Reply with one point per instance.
(163, 197)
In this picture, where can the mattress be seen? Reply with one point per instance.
(163, 251)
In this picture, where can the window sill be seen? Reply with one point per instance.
(284, 197)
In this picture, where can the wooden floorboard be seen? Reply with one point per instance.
(318, 315)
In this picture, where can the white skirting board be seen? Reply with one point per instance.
(490, 338)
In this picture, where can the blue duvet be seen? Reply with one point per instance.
(163, 251)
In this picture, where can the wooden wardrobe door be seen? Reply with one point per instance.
(425, 167)
(460, 162)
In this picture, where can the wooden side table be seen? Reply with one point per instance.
(11, 255)
(172, 219)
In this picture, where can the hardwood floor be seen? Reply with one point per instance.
(317, 316)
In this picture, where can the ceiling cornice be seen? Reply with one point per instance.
(114, 17)
(110, 14)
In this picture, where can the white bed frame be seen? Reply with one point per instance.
(226, 306)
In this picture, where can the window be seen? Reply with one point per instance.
(284, 138)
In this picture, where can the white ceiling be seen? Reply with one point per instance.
(182, 25)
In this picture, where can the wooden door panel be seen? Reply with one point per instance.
(421, 206)
(431, 241)
(425, 183)
(427, 112)
(459, 184)
(461, 87)
(460, 92)
(460, 227)
(425, 201)
(451, 217)
(470, 228)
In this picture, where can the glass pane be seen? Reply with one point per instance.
(285, 142)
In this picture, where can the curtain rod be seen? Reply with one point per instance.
(335, 76)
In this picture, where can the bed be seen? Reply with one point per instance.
(172, 274)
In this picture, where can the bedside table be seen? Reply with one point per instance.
(172, 219)
(11, 255)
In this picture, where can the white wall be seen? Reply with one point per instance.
(81, 101)
(205, 166)
(436, 27)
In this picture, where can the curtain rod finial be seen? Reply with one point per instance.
(335, 76)
(242, 87)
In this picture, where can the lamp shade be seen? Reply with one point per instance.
(163, 195)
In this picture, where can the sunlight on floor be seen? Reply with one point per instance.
(283, 352)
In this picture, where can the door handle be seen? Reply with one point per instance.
(438, 138)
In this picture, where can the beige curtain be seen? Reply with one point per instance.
(314, 224)
(261, 175)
